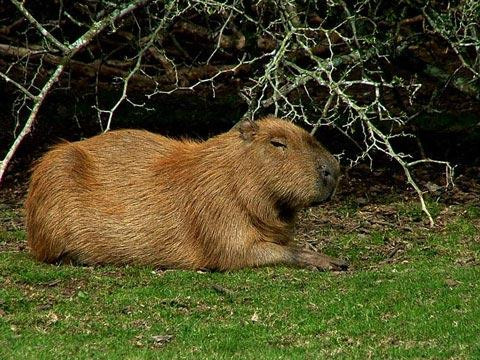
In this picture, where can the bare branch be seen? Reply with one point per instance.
(31, 119)
(39, 26)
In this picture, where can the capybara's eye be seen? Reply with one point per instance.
(278, 143)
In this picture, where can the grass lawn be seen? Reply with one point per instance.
(412, 292)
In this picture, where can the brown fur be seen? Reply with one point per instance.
(133, 197)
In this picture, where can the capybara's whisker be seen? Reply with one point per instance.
(133, 197)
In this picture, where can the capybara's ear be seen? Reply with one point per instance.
(247, 129)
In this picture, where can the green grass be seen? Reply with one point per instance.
(423, 303)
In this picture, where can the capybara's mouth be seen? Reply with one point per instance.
(322, 200)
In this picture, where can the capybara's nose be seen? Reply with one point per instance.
(329, 173)
(326, 172)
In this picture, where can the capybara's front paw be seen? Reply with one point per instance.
(339, 265)
(327, 263)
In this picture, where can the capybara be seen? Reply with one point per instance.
(134, 197)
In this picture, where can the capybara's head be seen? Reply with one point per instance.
(297, 170)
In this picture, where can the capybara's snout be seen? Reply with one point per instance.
(329, 173)
(328, 170)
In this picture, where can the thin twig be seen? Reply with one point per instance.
(39, 26)
(324, 114)
(21, 87)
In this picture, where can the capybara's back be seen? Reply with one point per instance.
(133, 197)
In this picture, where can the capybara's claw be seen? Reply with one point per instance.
(339, 265)
(327, 263)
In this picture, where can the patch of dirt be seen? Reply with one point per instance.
(13, 246)
(380, 201)
(12, 197)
